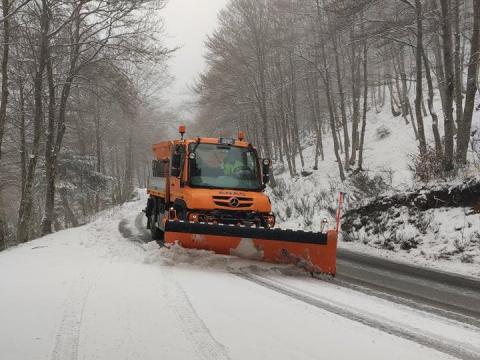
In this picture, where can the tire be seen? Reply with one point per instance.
(157, 234)
(181, 213)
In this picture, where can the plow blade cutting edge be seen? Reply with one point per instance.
(314, 252)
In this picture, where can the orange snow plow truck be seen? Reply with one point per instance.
(208, 193)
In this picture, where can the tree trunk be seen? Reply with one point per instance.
(314, 121)
(5, 57)
(346, 136)
(283, 122)
(128, 182)
(289, 131)
(412, 119)
(262, 104)
(98, 151)
(458, 65)
(419, 88)
(328, 91)
(21, 128)
(355, 99)
(403, 107)
(393, 100)
(296, 131)
(365, 104)
(277, 132)
(338, 124)
(79, 127)
(449, 83)
(70, 218)
(316, 101)
(424, 109)
(46, 226)
(439, 68)
(463, 137)
(336, 146)
(26, 202)
(405, 99)
(55, 138)
(431, 109)
(384, 92)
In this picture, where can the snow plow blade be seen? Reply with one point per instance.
(314, 252)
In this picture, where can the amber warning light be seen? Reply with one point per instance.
(182, 130)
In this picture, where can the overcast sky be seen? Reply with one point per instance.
(187, 23)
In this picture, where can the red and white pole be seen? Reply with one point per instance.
(341, 197)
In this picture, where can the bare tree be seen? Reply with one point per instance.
(26, 201)
(465, 125)
(449, 83)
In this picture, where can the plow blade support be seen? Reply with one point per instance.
(314, 252)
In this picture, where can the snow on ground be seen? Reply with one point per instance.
(304, 201)
(89, 293)
(445, 239)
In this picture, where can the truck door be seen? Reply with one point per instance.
(177, 171)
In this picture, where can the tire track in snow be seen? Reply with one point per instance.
(206, 346)
(68, 334)
(457, 350)
(127, 233)
(145, 235)
(142, 235)
(405, 299)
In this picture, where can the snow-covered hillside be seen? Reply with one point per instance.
(304, 201)
(97, 292)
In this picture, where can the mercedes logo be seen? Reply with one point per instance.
(234, 202)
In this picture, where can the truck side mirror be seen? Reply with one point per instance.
(176, 163)
(266, 170)
(154, 168)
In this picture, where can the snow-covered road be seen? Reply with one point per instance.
(92, 293)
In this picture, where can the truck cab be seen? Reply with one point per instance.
(208, 180)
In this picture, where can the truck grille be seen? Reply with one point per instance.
(234, 202)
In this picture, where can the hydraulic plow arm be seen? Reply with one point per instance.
(314, 252)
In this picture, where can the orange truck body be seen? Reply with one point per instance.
(189, 215)
(198, 198)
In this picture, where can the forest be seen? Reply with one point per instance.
(285, 69)
(81, 103)
(80, 85)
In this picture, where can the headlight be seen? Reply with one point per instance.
(193, 217)
(270, 220)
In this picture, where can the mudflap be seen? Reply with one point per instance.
(314, 252)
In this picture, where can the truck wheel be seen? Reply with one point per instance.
(157, 234)
(181, 213)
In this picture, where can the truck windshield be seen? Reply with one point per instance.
(219, 166)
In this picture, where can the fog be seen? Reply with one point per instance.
(188, 22)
